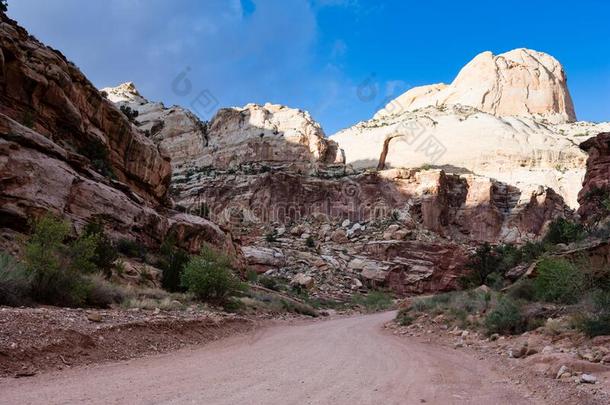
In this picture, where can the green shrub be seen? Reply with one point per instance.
(564, 231)
(29, 119)
(14, 282)
(209, 277)
(271, 236)
(403, 318)
(523, 290)
(131, 248)
(558, 280)
(597, 325)
(299, 308)
(81, 253)
(251, 276)
(233, 305)
(310, 242)
(269, 282)
(455, 303)
(531, 251)
(489, 263)
(3, 5)
(482, 263)
(106, 253)
(98, 154)
(100, 293)
(172, 263)
(505, 318)
(130, 113)
(373, 301)
(54, 267)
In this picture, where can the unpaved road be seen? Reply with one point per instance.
(341, 361)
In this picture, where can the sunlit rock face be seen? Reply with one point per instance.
(68, 151)
(270, 134)
(521, 82)
(508, 117)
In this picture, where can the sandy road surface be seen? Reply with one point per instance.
(342, 361)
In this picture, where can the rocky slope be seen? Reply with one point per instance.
(65, 149)
(507, 117)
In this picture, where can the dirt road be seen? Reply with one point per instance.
(342, 361)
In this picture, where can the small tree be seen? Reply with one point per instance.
(3, 5)
(564, 231)
(209, 277)
(506, 318)
(105, 251)
(172, 264)
(55, 267)
(559, 280)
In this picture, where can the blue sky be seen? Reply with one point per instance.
(338, 59)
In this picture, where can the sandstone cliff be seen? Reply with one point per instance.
(257, 135)
(506, 117)
(407, 229)
(521, 82)
(65, 149)
(594, 198)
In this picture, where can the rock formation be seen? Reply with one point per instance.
(506, 117)
(269, 135)
(410, 230)
(67, 150)
(594, 198)
(521, 82)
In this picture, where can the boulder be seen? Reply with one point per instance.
(263, 259)
(303, 281)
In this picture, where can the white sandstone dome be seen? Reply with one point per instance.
(521, 82)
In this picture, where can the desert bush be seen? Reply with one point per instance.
(310, 242)
(505, 318)
(269, 282)
(277, 304)
(53, 266)
(63, 272)
(130, 113)
(299, 308)
(209, 277)
(457, 304)
(404, 318)
(522, 290)
(98, 154)
(251, 276)
(131, 248)
(532, 251)
(558, 280)
(563, 230)
(80, 254)
(271, 236)
(373, 301)
(482, 263)
(105, 254)
(100, 293)
(172, 263)
(14, 282)
(489, 263)
(596, 325)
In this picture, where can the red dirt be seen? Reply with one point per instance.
(341, 361)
